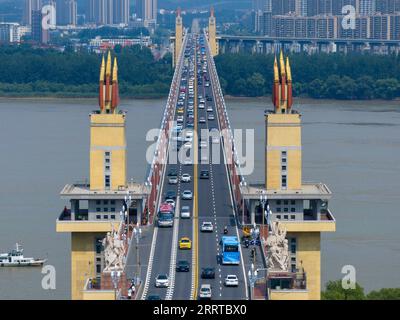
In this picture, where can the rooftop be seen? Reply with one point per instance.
(82, 191)
(309, 190)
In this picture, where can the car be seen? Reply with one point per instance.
(180, 110)
(202, 120)
(170, 195)
(231, 280)
(205, 291)
(179, 119)
(186, 177)
(207, 226)
(204, 174)
(185, 212)
(187, 195)
(172, 172)
(153, 297)
(171, 202)
(207, 84)
(201, 106)
(202, 100)
(188, 162)
(173, 179)
(185, 243)
(208, 273)
(209, 99)
(209, 109)
(183, 266)
(188, 145)
(162, 281)
(211, 117)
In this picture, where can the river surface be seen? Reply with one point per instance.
(354, 147)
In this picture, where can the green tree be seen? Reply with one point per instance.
(255, 85)
(334, 291)
(387, 88)
(385, 294)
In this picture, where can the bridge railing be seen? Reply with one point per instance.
(231, 156)
(157, 166)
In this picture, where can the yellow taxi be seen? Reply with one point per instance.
(180, 110)
(185, 243)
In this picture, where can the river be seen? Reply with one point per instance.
(354, 147)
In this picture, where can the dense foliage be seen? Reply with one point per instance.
(335, 291)
(47, 72)
(333, 76)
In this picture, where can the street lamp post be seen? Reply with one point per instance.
(252, 274)
(137, 232)
(115, 276)
(263, 200)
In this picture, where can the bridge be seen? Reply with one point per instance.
(268, 236)
(213, 200)
(266, 44)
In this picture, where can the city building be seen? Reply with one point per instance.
(387, 6)
(30, 5)
(150, 13)
(100, 45)
(94, 206)
(10, 32)
(39, 34)
(139, 9)
(121, 12)
(109, 12)
(66, 11)
(300, 207)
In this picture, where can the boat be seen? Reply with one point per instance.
(15, 258)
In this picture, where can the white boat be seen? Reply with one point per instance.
(15, 258)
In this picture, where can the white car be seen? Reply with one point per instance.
(186, 177)
(187, 195)
(231, 280)
(171, 202)
(201, 106)
(205, 291)
(209, 109)
(162, 281)
(188, 162)
(173, 180)
(203, 144)
(207, 226)
(185, 212)
(179, 119)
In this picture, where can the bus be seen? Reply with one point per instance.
(165, 217)
(230, 250)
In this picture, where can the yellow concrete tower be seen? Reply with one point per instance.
(107, 135)
(283, 135)
(93, 207)
(178, 35)
(212, 34)
(300, 208)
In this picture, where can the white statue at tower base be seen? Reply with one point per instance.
(277, 248)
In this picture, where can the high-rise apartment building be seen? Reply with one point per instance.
(66, 12)
(30, 5)
(150, 12)
(39, 34)
(104, 12)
